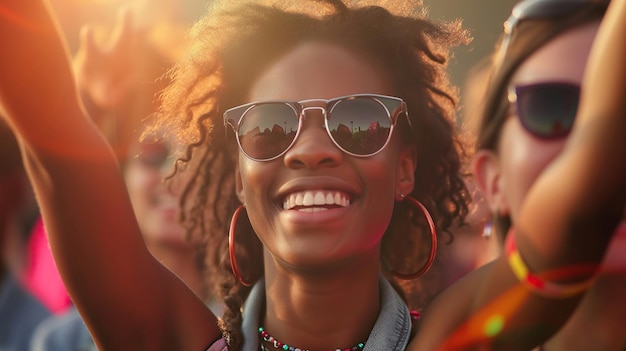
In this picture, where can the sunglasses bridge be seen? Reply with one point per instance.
(304, 109)
(325, 114)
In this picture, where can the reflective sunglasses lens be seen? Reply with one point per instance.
(360, 125)
(548, 110)
(266, 130)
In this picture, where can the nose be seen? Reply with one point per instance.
(313, 148)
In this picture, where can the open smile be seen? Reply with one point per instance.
(316, 200)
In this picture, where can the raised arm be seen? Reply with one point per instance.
(563, 231)
(128, 299)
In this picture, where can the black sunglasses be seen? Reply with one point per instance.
(360, 125)
(154, 154)
(535, 9)
(546, 110)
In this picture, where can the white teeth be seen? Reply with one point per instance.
(337, 198)
(320, 199)
(298, 199)
(314, 200)
(329, 198)
(308, 199)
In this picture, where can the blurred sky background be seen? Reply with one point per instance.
(484, 19)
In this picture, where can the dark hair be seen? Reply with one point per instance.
(527, 37)
(230, 49)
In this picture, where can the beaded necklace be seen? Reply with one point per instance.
(265, 336)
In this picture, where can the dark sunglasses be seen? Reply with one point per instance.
(154, 154)
(360, 125)
(546, 110)
(535, 9)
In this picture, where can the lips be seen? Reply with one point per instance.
(316, 200)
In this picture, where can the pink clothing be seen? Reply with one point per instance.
(219, 345)
(615, 259)
(41, 277)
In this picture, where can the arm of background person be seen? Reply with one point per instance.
(128, 299)
(568, 219)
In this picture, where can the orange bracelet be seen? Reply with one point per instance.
(539, 285)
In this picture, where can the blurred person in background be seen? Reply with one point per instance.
(130, 57)
(20, 311)
(118, 79)
(532, 96)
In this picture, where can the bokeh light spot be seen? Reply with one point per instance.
(494, 325)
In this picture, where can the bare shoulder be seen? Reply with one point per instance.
(449, 310)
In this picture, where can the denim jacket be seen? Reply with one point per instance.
(391, 331)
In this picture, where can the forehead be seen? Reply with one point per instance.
(317, 70)
(562, 59)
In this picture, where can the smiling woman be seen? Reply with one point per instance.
(322, 275)
(328, 150)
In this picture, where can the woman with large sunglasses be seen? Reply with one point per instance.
(337, 120)
(532, 103)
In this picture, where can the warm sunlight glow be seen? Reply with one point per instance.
(11, 16)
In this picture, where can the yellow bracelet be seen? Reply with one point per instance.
(541, 286)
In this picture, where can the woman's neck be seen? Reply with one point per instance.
(335, 309)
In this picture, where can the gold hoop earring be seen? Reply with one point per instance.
(231, 247)
(433, 242)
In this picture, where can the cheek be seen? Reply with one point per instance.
(140, 182)
(523, 158)
(252, 177)
(256, 180)
(379, 177)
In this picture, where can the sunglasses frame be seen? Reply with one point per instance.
(532, 9)
(233, 117)
(518, 90)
